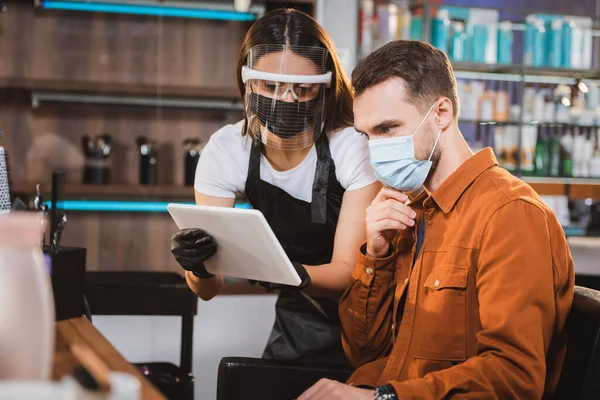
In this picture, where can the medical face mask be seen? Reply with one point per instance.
(395, 164)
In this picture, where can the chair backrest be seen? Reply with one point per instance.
(580, 377)
(145, 293)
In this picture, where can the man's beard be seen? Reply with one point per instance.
(431, 136)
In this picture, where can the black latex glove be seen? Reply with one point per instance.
(191, 247)
(302, 273)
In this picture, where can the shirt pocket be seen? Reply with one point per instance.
(442, 333)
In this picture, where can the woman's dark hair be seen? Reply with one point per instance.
(294, 28)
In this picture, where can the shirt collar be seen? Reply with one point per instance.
(447, 195)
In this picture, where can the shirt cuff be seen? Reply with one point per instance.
(415, 389)
(368, 267)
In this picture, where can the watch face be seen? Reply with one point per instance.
(386, 392)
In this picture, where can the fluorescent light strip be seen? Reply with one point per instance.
(164, 11)
(120, 206)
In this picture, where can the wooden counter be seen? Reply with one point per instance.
(80, 331)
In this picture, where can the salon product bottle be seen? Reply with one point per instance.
(192, 149)
(459, 42)
(416, 27)
(384, 29)
(366, 27)
(501, 105)
(539, 106)
(505, 41)
(567, 32)
(588, 153)
(404, 20)
(528, 146)
(542, 150)
(440, 34)
(479, 43)
(554, 158)
(592, 97)
(566, 151)
(555, 43)
(148, 161)
(486, 106)
(530, 26)
(96, 150)
(538, 38)
(578, 152)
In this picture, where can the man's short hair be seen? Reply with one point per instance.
(425, 70)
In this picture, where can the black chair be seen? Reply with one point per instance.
(580, 378)
(252, 378)
(241, 378)
(150, 293)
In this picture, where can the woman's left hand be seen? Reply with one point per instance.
(302, 273)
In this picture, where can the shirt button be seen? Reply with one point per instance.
(406, 280)
(369, 271)
(436, 283)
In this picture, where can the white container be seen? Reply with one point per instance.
(594, 167)
(27, 324)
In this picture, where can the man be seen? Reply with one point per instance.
(464, 292)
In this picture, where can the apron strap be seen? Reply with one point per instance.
(321, 181)
(254, 164)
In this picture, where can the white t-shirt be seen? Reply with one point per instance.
(223, 166)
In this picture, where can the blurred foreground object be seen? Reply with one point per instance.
(27, 305)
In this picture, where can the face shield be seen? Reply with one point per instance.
(285, 94)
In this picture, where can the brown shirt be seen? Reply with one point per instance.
(485, 303)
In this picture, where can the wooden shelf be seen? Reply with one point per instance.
(109, 192)
(575, 188)
(130, 89)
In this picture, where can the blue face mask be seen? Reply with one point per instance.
(395, 164)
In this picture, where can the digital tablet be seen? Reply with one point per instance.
(246, 245)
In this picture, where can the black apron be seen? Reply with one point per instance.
(306, 329)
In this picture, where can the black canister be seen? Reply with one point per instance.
(96, 149)
(148, 161)
(192, 149)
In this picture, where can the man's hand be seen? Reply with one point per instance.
(386, 215)
(327, 389)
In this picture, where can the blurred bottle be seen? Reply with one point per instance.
(528, 149)
(555, 43)
(440, 34)
(97, 150)
(404, 20)
(501, 107)
(554, 153)
(367, 9)
(479, 43)
(542, 150)
(567, 41)
(505, 42)
(567, 144)
(459, 42)
(192, 150)
(148, 161)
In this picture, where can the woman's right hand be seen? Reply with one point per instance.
(191, 248)
(386, 215)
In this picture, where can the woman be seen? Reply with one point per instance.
(297, 159)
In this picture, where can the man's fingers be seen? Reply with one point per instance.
(390, 193)
(388, 224)
(394, 214)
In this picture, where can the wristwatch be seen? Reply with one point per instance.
(386, 392)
